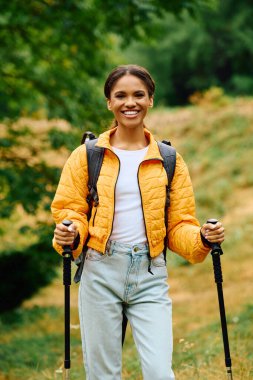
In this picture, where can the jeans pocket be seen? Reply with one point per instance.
(159, 261)
(94, 255)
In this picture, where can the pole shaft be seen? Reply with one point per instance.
(223, 320)
(67, 327)
(67, 256)
(216, 252)
(67, 283)
(224, 325)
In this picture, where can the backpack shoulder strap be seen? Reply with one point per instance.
(168, 154)
(95, 157)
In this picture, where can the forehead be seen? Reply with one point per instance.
(128, 83)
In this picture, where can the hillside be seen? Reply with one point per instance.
(215, 137)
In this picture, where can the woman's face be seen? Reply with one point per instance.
(129, 101)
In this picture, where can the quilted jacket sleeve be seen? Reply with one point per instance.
(70, 197)
(183, 227)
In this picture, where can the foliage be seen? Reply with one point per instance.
(214, 49)
(24, 272)
(54, 53)
(50, 57)
(28, 177)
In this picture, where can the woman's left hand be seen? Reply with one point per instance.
(214, 233)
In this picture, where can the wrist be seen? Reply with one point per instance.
(206, 243)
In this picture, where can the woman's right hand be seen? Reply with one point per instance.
(65, 235)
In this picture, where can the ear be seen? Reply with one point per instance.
(108, 104)
(151, 102)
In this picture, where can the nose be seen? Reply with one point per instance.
(130, 102)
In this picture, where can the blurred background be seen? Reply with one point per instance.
(55, 56)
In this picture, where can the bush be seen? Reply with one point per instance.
(22, 273)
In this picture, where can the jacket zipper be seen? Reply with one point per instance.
(151, 159)
(114, 198)
(95, 213)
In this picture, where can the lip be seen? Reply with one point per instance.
(133, 110)
(130, 113)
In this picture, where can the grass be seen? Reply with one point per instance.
(32, 342)
(216, 139)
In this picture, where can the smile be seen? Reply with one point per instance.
(130, 113)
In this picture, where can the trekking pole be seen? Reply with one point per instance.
(67, 256)
(216, 253)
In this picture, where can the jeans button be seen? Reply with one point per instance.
(136, 249)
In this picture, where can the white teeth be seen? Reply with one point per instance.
(130, 112)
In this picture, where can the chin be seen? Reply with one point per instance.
(131, 123)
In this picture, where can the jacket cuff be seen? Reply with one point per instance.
(206, 243)
(76, 242)
(57, 247)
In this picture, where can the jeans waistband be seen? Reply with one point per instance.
(138, 248)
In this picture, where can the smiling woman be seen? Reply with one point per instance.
(125, 271)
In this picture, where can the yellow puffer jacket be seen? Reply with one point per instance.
(183, 227)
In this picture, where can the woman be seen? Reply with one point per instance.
(126, 234)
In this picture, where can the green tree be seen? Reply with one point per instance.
(192, 54)
(53, 52)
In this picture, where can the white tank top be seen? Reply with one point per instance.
(128, 224)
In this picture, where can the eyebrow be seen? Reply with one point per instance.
(135, 92)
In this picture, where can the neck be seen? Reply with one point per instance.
(129, 139)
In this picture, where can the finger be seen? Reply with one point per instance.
(216, 237)
(73, 228)
(61, 227)
(63, 234)
(64, 240)
(218, 232)
(214, 227)
(216, 240)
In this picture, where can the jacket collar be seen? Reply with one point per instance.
(153, 150)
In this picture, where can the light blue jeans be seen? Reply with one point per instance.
(117, 281)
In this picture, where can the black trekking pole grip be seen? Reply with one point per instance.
(215, 246)
(67, 257)
(216, 253)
